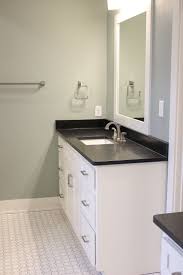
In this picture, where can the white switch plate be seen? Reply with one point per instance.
(161, 108)
(98, 110)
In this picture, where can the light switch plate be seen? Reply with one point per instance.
(98, 110)
(161, 108)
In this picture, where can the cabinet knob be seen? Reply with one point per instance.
(85, 239)
(84, 173)
(85, 203)
(61, 196)
(60, 146)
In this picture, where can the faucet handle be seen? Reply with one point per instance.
(122, 138)
(114, 137)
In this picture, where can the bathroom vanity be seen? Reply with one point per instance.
(109, 192)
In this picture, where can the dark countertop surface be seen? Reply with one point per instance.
(172, 225)
(130, 152)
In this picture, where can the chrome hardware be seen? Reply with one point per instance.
(118, 129)
(114, 137)
(84, 173)
(39, 84)
(123, 139)
(61, 196)
(77, 95)
(60, 146)
(85, 239)
(81, 85)
(85, 203)
(70, 178)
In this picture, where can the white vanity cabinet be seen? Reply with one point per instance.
(172, 258)
(77, 195)
(111, 207)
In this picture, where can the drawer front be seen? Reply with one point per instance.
(88, 240)
(87, 177)
(88, 208)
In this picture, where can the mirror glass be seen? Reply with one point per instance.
(132, 58)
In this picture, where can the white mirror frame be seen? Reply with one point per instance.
(137, 125)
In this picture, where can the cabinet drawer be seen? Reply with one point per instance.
(88, 208)
(87, 177)
(88, 240)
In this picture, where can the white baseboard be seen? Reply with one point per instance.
(36, 204)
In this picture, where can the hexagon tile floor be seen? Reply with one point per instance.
(40, 243)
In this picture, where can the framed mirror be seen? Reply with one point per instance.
(133, 36)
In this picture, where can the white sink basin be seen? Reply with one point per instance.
(97, 141)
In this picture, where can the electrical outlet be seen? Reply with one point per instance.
(161, 108)
(98, 110)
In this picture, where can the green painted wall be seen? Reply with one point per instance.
(61, 42)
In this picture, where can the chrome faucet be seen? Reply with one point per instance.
(118, 136)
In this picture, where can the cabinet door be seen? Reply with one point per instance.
(70, 196)
(61, 169)
(61, 153)
(62, 189)
(72, 190)
(165, 258)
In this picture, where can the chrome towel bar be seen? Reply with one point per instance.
(40, 84)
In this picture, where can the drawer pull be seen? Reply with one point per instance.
(84, 173)
(177, 273)
(85, 203)
(85, 239)
(61, 196)
(70, 181)
(60, 146)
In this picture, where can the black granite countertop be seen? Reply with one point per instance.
(172, 225)
(129, 152)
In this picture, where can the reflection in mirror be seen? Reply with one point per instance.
(132, 53)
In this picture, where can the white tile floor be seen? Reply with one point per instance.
(38, 243)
